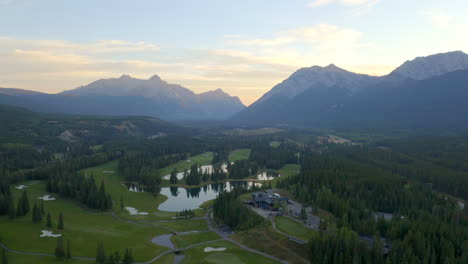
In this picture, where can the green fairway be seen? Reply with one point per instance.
(293, 228)
(202, 159)
(232, 255)
(83, 228)
(30, 259)
(142, 201)
(239, 154)
(289, 170)
(181, 241)
(186, 225)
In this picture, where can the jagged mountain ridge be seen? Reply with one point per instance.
(130, 96)
(319, 96)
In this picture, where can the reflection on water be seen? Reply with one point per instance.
(267, 176)
(182, 198)
(203, 169)
(135, 188)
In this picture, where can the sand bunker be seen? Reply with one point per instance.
(133, 211)
(47, 233)
(20, 187)
(46, 198)
(210, 249)
(108, 172)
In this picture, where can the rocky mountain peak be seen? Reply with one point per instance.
(422, 68)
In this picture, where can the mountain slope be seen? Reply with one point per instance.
(130, 96)
(435, 65)
(308, 91)
(20, 125)
(426, 92)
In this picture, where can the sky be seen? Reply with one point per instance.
(244, 47)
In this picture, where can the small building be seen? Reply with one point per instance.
(266, 199)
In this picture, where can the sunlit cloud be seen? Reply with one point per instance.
(248, 68)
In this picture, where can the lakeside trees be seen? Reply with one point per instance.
(230, 210)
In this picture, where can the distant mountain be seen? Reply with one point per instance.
(423, 68)
(130, 96)
(306, 93)
(17, 92)
(425, 92)
(317, 76)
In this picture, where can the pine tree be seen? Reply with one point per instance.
(100, 254)
(25, 202)
(60, 225)
(4, 257)
(59, 250)
(36, 214)
(42, 208)
(128, 257)
(303, 214)
(49, 221)
(19, 208)
(11, 209)
(68, 256)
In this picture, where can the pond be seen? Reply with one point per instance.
(182, 198)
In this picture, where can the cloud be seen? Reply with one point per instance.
(318, 3)
(248, 68)
(236, 40)
(55, 65)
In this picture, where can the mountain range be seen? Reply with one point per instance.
(126, 96)
(427, 92)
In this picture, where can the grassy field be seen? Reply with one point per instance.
(181, 241)
(186, 225)
(202, 159)
(232, 255)
(29, 259)
(239, 154)
(265, 239)
(293, 228)
(84, 229)
(143, 201)
(289, 170)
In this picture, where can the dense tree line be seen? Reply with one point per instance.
(354, 189)
(343, 246)
(187, 213)
(270, 157)
(230, 210)
(81, 188)
(242, 169)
